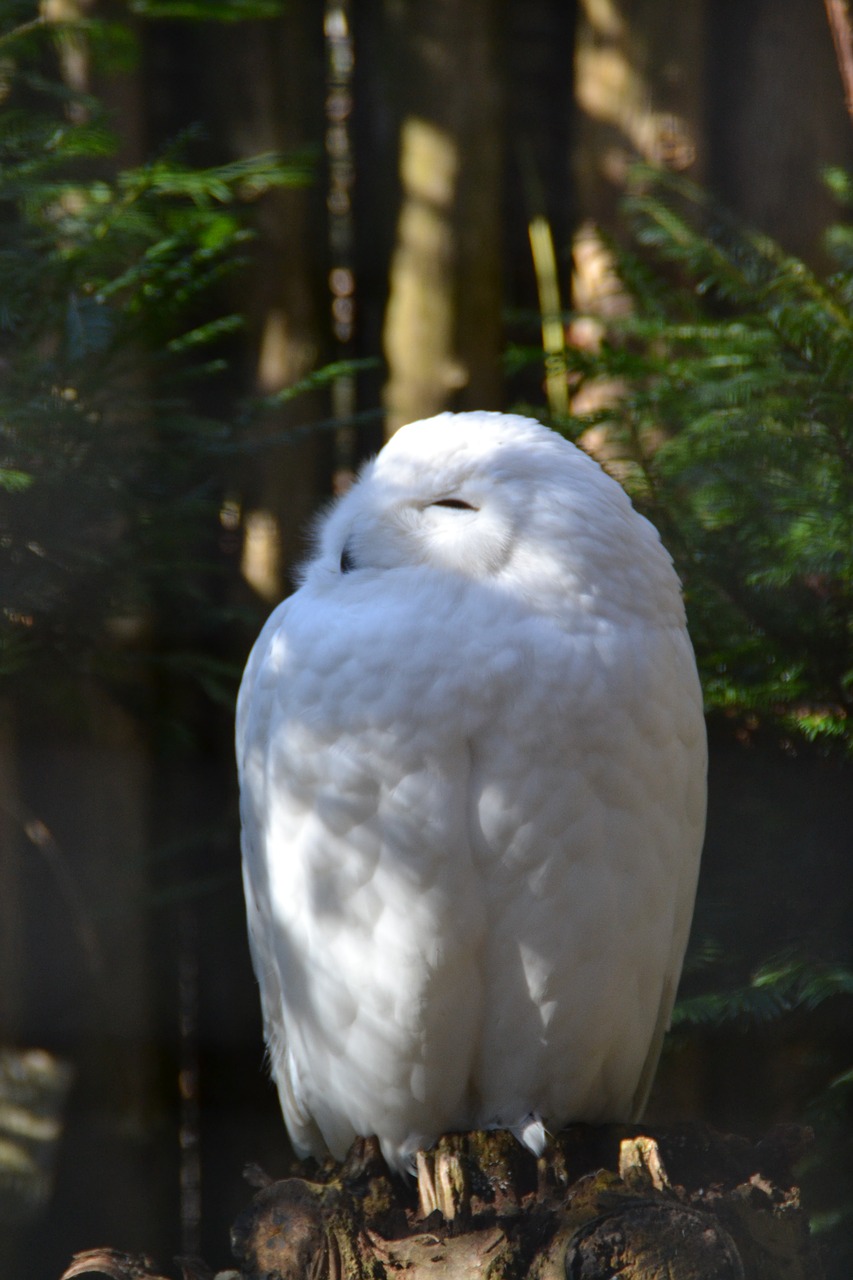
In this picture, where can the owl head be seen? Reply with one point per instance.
(501, 498)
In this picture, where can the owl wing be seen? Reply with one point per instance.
(255, 708)
(364, 917)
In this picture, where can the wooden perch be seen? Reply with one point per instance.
(681, 1202)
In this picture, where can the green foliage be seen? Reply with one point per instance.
(108, 287)
(725, 394)
(786, 984)
(208, 10)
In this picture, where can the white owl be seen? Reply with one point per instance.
(472, 763)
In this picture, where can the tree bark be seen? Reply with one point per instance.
(443, 332)
(682, 1202)
(778, 119)
(264, 82)
(640, 89)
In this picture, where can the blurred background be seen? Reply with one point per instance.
(239, 243)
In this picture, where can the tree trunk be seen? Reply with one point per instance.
(640, 87)
(682, 1202)
(778, 119)
(443, 333)
(263, 83)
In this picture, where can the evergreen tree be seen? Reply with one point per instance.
(733, 432)
(109, 280)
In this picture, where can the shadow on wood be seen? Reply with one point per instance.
(680, 1201)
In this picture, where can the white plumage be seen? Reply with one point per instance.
(472, 766)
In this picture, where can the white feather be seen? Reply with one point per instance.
(472, 764)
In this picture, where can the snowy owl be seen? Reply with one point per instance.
(472, 763)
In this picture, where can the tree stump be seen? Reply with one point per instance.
(680, 1202)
